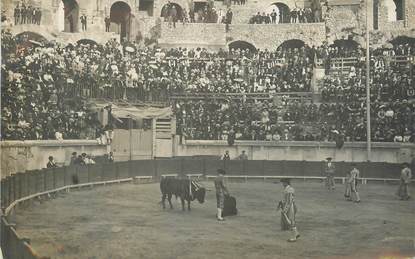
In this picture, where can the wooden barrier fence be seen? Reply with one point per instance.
(22, 187)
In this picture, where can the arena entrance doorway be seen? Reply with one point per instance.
(395, 10)
(292, 44)
(120, 14)
(166, 10)
(68, 16)
(242, 45)
(282, 10)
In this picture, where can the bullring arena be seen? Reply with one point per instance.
(301, 110)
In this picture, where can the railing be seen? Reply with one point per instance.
(343, 63)
(346, 63)
(22, 187)
(161, 97)
(257, 96)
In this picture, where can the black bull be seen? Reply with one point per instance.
(186, 189)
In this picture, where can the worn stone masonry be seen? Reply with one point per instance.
(343, 19)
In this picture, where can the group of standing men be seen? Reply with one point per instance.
(27, 14)
(287, 204)
(351, 181)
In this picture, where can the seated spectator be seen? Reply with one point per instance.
(58, 135)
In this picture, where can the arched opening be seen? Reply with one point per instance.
(345, 44)
(242, 45)
(167, 10)
(86, 42)
(146, 5)
(68, 16)
(120, 14)
(292, 44)
(282, 11)
(395, 10)
(28, 39)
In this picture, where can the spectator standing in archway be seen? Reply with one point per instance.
(17, 12)
(38, 15)
(274, 16)
(23, 14)
(84, 20)
(172, 15)
(228, 19)
(107, 21)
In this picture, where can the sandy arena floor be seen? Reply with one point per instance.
(125, 221)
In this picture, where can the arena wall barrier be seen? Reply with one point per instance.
(38, 184)
(18, 156)
(392, 152)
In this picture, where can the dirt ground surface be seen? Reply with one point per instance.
(126, 221)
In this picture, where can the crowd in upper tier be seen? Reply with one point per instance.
(44, 89)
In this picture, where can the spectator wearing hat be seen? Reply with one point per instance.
(84, 20)
(406, 175)
(226, 156)
(243, 156)
(330, 170)
(221, 191)
(51, 163)
(74, 159)
(288, 210)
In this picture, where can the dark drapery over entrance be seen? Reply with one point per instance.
(243, 45)
(294, 43)
(346, 44)
(402, 40)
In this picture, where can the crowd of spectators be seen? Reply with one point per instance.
(264, 120)
(340, 115)
(27, 14)
(44, 85)
(297, 15)
(173, 13)
(33, 97)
